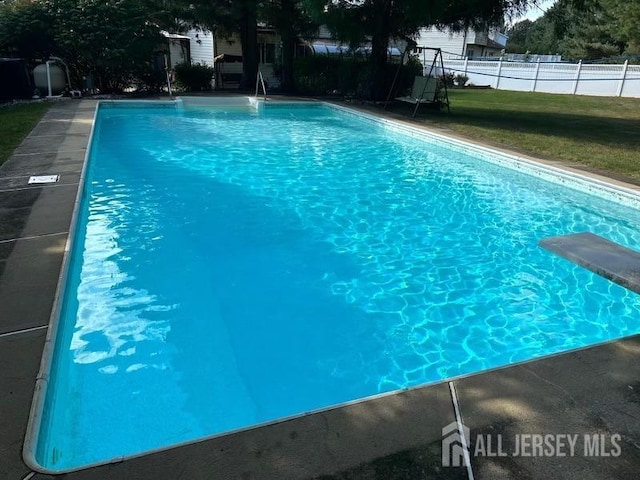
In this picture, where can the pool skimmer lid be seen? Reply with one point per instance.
(36, 179)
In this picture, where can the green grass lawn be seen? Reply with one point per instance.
(16, 121)
(602, 133)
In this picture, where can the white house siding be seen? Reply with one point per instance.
(452, 44)
(177, 52)
(201, 45)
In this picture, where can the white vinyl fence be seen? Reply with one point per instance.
(568, 78)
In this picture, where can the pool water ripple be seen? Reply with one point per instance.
(232, 268)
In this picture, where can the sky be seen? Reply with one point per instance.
(535, 12)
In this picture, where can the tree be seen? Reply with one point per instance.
(604, 28)
(225, 17)
(114, 41)
(629, 14)
(355, 21)
(586, 32)
(535, 37)
(582, 29)
(519, 37)
(26, 30)
(291, 21)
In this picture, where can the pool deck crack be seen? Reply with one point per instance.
(23, 330)
(466, 445)
(33, 237)
(35, 186)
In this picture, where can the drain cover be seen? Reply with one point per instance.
(43, 179)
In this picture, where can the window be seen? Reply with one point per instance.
(267, 52)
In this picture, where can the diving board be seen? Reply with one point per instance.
(608, 259)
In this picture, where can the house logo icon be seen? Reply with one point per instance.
(455, 446)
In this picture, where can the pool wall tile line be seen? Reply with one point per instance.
(626, 196)
(305, 447)
(171, 104)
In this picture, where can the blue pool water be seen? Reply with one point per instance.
(235, 267)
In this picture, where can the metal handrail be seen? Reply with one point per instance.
(260, 81)
(166, 69)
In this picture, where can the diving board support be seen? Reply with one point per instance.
(603, 257)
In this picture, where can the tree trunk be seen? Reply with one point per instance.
(289, 39)
(288, 49)
(379, 45)
(249, 40)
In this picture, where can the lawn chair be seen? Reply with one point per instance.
(424, 90)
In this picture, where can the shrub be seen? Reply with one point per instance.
(111, 41)
(461, 79)
(447, 79)
(349, 75)
(194, 77)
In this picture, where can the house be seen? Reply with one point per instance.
(470, 43)
(225, 53)
(178, 50)
(201, 46)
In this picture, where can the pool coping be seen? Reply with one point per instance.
(42, 377)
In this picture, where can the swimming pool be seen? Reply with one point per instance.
(234, 266)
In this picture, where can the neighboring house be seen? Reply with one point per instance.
(201, 43)
(471, 44)
(179, 48)
(225, 53)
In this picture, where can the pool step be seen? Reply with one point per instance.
(608, 259)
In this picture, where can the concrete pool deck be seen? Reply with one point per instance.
(594, 391)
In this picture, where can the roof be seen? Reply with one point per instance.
(174, 36)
